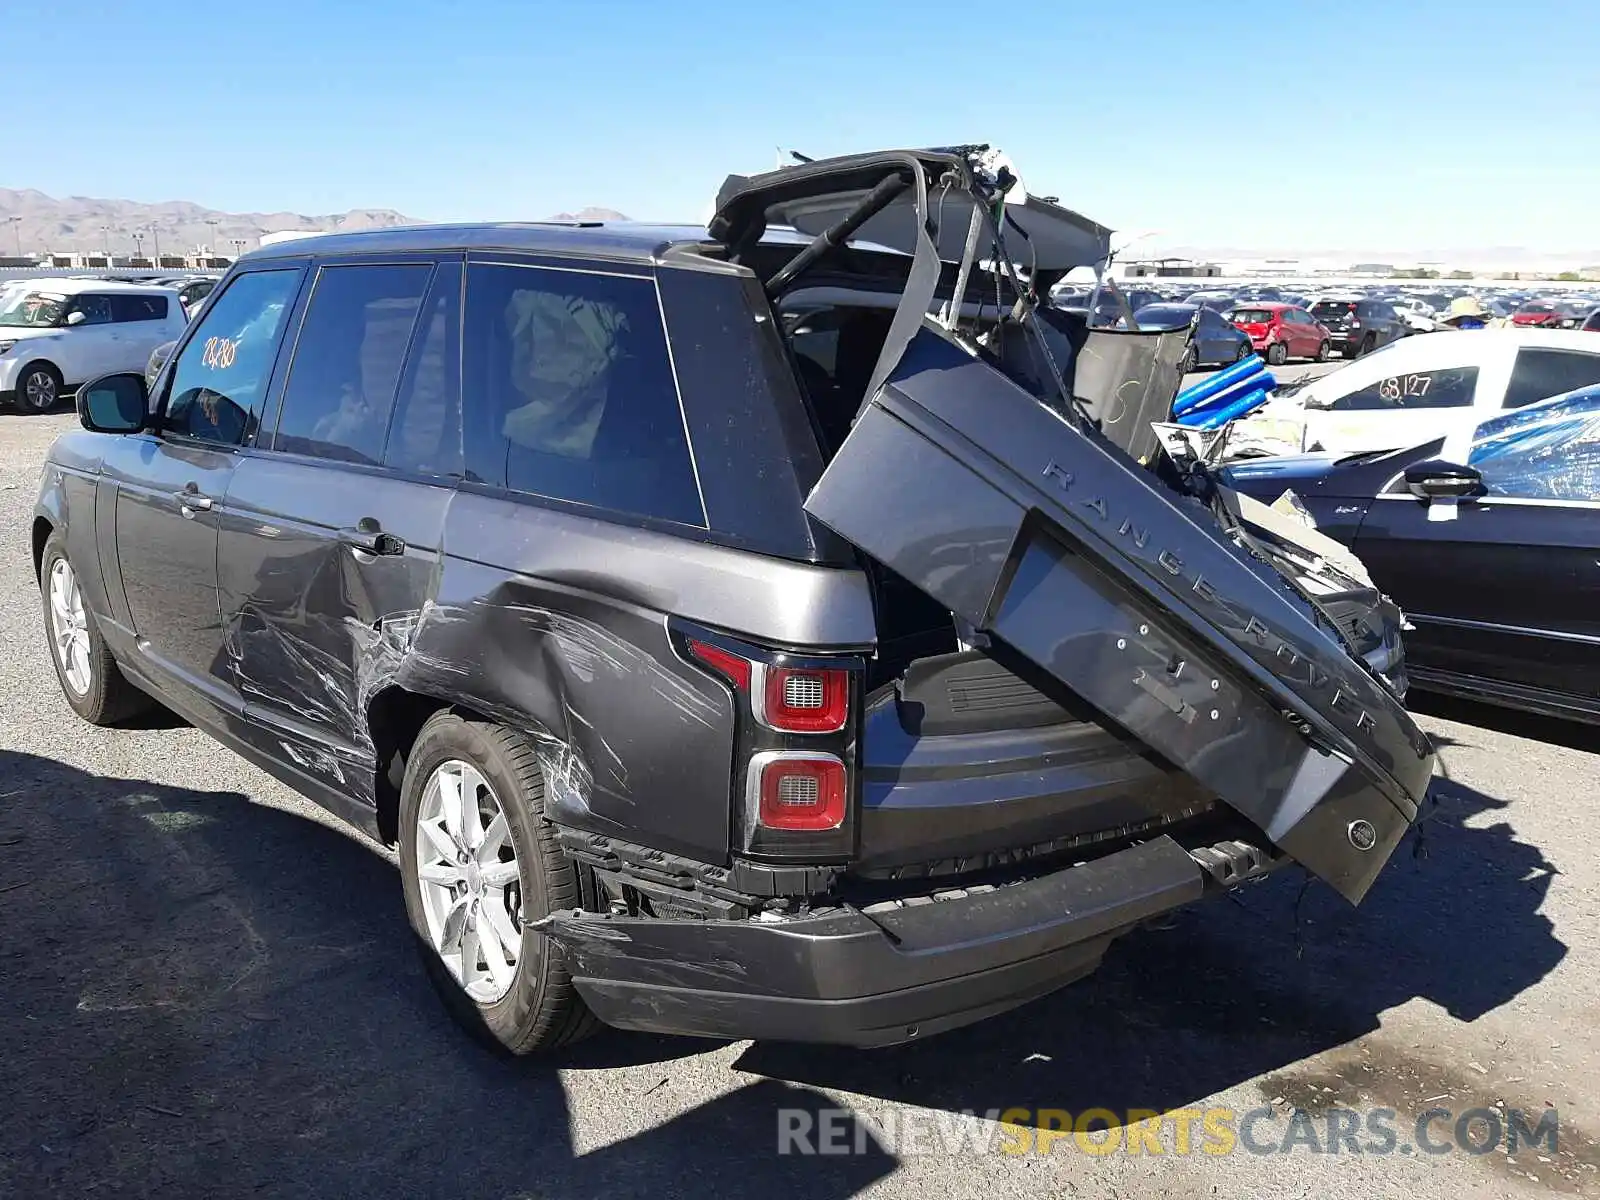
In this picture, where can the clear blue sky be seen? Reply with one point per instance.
(1302, 123)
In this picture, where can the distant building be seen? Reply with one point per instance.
(1169, 268)
(1381, 269)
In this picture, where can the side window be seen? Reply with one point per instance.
(570, 391)
(1451, 388)
(1544, 452)
(138, 308)
(96, 310)
(347, 358)
(1541, 373)
(218, 382)
(426, 432)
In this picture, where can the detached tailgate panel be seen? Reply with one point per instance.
(1087, 568)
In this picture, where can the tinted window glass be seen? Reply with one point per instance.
(218, 380)
(1542, 452)
(96, 310)
(1251, 316)
(571, 392)
(347, 361)
(1335, 309)
(138, 308)
(426, 432)
(1418, 389)
(1539, 374)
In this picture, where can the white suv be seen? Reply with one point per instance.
(58, 333)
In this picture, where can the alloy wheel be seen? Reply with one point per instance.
(69, 628)
(39, 390)
(469, 880)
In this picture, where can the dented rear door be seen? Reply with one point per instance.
(1090, 573)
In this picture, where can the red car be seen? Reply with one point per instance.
(1538, 314)
(1279, 332)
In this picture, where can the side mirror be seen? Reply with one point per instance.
(76, 317)
(114, 404)
(1437, 479)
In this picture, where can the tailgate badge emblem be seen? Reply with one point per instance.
(1362, 835)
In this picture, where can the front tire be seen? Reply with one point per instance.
(39, 387)
(479, 863)
(1191, 360)
(90, 679)
(1244, 352)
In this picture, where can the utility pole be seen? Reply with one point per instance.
(138, 243)
(105, 231)
(155, 239)
(238, 245)
(16, 227)
(211, 250)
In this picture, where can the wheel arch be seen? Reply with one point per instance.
(43, 527)
(395, 717)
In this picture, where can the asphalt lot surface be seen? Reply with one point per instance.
(207, 989)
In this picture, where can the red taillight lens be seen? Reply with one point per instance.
(800, 791)
(724, 662)
(802, 701)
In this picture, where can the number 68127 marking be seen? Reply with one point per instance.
(219, 353)
(1397, 386)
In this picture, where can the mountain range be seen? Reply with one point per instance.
(39, 223)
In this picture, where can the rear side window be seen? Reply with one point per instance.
(1541, 373)
(96, 310)
(138, 308)
(1452, 388)
(219, 380)
(347, 360)
(571, 394)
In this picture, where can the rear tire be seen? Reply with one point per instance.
(1324, 351)
(537, 1009)
(1368, 345)
(1191, 360)
(39, 387)
(91, 681)
(1277, 354)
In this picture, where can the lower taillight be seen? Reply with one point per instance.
(798, 790)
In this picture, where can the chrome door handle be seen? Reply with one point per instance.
(188, 500)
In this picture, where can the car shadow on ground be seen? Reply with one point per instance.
(205, 996)
(1575, 735)
(208, 996)
(1241, 987)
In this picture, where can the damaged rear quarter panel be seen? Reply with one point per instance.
(556, 623)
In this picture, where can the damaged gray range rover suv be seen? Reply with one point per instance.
(789, 629)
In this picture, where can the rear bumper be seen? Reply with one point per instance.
(871, 978)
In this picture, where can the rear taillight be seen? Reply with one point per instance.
(797, 789)
(799, 701)
(793, 748)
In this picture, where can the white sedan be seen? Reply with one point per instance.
(1420, 388)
